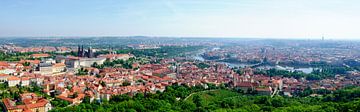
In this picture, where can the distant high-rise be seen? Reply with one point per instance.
(322, 38)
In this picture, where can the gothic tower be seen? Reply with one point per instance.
(79, 51)
(90, 53)
(82, 51)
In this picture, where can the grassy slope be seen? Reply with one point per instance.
(213, 96)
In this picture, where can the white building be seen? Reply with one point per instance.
(25, 81)
(76, 62)
(52, 69)
(45, 69)
(116, 56)
(13, 81)
(58, 68)
(7, 71)
(3, 78)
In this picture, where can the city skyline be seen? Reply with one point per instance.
(298, 19)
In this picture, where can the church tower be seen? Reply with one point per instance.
(82, 51)
(90, 53)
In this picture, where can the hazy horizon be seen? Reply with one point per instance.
(275, 19)
(135, 36)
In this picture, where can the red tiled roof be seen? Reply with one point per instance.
(12, 78)
(73, 58)
(263, 89)
(25, 78)
(59, 65)
(19, 64)
(4, 75)
(40, 55)
(4, 64)
(245, 84)
(10, 105)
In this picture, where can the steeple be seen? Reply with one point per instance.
(90, 53)
(79, 51)
(82, 51)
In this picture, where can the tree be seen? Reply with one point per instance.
(103, 84)
(82, 71)
(343, 100)
(75, 95)
(26, 64)
(139, 96)
(86, 99)
(313, 77)
(187, 105)
(95, 65)
(120, 98)
(197, 100)
(278, 102)
(126, 83)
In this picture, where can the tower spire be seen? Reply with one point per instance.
(79, 51)
(82, 51)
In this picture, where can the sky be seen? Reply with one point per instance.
(308, 19)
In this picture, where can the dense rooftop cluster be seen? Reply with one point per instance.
(72, 78)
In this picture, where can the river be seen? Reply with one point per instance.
(304, 69)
